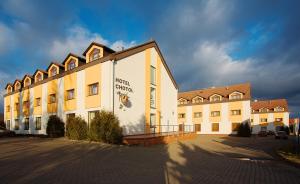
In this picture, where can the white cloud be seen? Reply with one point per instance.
(78, 40)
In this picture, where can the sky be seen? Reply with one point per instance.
(205, 43)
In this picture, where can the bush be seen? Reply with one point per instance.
(76, 128)
(105, 128)
(244, 130)
(2, 125)
(55, 127)
(286, 129)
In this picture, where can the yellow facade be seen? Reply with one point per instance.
(197, 108)
(69, 59)
(93, 75)
(181, 110)
(16, 109)
(215, 107)
(70, 82)
(25, 98)
(91, 50)
(235, 106)
(52, 89)
(37, 91)
(7, 104)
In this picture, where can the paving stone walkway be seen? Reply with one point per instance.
(207, 159)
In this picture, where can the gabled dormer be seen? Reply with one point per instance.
(27, 80)
(72, 61)
(54, 69)
(263, 109)
(278, 109)
(182, 101)
(17, 84)
(96, 51)
(197, 99)
(9, 88)
(39, 75)
(215, 98)
(236, 95)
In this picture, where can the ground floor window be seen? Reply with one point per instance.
(152, 122)
(91, 116)
(263, 128)
(70, 115)
(8, 124)
(17, 125)
(38, 123)
(235, 126)
(198, 127)
(215, 127)
(26, 124)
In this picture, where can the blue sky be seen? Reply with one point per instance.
(205, 43)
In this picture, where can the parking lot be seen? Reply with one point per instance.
(206, 159)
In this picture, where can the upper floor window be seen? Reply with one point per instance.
(93, 89)
(17, 106)
(215, 98)
(235, 96)
(197, 99)
(26, 104)
(70, 94)
(9, 89)
(236, 112)
(18, 86)
(197, 114)
(38, 102)
(52, 98)
(181, 115)
(278, 109)
(71, 64)
(53, 71)
(38, 77)
(278, 119)
(153, 75)
(8, 108)
(263, 119)
(182, 101)
(95, 54)
(263, 110)
(152, 97)
(215, 113)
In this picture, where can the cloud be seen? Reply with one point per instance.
(7, 40)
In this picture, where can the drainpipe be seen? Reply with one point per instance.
(113, 86)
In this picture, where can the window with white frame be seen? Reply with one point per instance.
(236, 112)
(152, 97)
(153, 75)
(182, 101)
(278, 109)
(215, 98)
(235, 96)
(263, 110)
(95, 54)
(215, 113)
(53, 71)
(197, 99)
(38, 77)
(71, 64)
(197, 114)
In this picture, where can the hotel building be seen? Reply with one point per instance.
(135, 84)
(216, 110)
(269, 115)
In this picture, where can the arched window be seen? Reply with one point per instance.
(215, 98)
(38, 77)
(71, 64)
(27, 82)
(235, 96)
(197, 99)
(53, 71)
(18, 86)
(95, 54)
(9, 89)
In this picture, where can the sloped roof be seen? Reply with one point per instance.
(269, 104)
(224, 91)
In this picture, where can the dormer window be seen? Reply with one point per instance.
(27, 82)
(235, 96)
(95, 54)
(215, 98)
(71, 64)
(197, 99)
(53, 71)
(17, 86)
(38, 77)
(9, 89)
(263, 110)
(278, 109)
(182, 101)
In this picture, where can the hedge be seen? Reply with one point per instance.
(76, 128)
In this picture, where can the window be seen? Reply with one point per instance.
(70, 94)
(263, 110)
(53, 71)
(197, 100)
(9, 89)
(235, 96)
(38, 123)
(215, 127)
(8, 108)
(152, 97)
(278, 109)
(198, 127)
(52, 98)
(38, 102)
(27, 82)
(26, 104)
(197, 114)
(215, 113)
(236, 112)
(18, 86)
(182, 101)
(152, 122)
(235, 126)
(278, 119)
(38, 77)
(95, 54)
(252, 120)
(17, 106)
(8, 124)
(93, 89)
(153, 75)
(71, 64)
(26, 124)
(215, 98)
(17, 125)
(70, 115)
(181, 115)
(264, 128)
(91, 116)
(263, 119)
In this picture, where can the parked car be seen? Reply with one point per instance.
(281, 135)
(262, 133)
(6, 133)
(270, 132)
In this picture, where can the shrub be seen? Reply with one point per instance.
(76, 128)
(105, 128)
(244, 130)
(2, 125)
(55, 127)
(286, 129)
